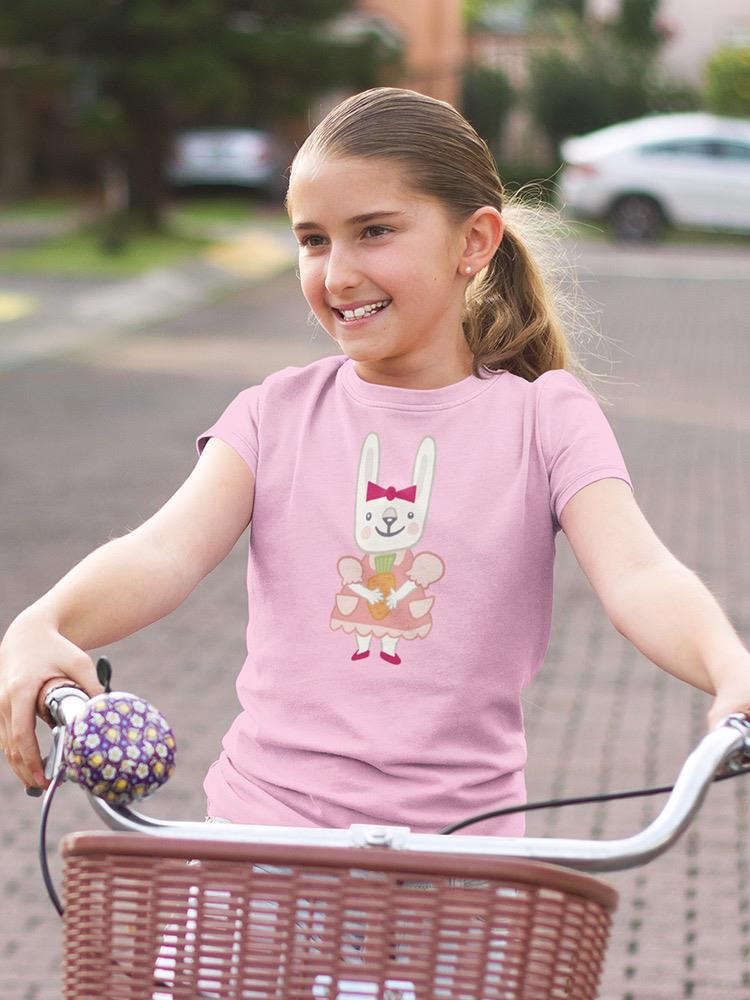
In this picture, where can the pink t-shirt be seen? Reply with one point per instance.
(400, 591)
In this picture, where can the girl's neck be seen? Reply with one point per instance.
(433, 373)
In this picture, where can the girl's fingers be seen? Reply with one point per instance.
(81, 671)
(18, 722)
(721, 711)
(22, 749)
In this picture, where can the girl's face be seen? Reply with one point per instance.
(380, 267)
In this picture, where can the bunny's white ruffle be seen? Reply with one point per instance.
(379, 630)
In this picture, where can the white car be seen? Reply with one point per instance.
(684, 170)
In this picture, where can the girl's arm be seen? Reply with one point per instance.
(652, 599)
(121, 587)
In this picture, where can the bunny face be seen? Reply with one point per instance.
(391, 518)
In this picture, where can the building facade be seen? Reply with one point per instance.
(431, 38)
(434, 43)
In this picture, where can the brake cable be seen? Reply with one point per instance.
(580, 800)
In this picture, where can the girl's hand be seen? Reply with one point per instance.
(732, 693)
(32, 653)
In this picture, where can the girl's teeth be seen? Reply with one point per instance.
(361, 311)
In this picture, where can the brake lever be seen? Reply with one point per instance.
(740, 722)
(49, 710)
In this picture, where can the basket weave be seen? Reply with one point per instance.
(244, 921)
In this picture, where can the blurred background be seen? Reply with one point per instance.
(129, 120)
(147, 275)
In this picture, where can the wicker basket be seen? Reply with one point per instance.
(219, 920)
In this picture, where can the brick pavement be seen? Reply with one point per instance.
(91, 445)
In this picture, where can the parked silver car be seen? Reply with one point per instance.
(228, 156)
(685, 170)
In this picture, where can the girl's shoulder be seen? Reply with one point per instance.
(554, 401)
(283, 391)
(549, 381)
(295, 378)
(547, 389)
(293, 384)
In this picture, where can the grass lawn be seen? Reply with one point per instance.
(191, 215)
(40, 208)
(81, 253)
(195, 221)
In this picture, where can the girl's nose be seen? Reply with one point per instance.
(340, 273)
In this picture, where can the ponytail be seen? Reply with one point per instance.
(510, 319)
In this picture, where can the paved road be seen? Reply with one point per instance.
(93, 442)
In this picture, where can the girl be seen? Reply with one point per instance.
(405, 498)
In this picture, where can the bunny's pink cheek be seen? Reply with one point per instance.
(413, 528)
(365, 532)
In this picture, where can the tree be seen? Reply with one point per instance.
(21, 92)
(636, 26)
(728, 81)
(137, 69)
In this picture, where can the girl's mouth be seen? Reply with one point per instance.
(358, 313)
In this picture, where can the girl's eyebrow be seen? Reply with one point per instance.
(356, 220)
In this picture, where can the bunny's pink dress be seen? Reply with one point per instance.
(435, 733)
(410, 619)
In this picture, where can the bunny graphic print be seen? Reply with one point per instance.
(319, 740)
(383, 591)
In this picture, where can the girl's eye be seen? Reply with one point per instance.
(312, 241)
(376, 231)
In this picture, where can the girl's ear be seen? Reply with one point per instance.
(483, 232)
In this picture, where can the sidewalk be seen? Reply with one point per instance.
(42, 318)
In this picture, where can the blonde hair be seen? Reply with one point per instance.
(511, 317)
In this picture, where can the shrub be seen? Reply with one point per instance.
(601, 85)
(728, 81)
(608, 74)
(571, 95)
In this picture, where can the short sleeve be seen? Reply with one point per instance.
(576, 440)
(238, 426)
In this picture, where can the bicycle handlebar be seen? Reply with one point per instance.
(60, 702)
(725, 747)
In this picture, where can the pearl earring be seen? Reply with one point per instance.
(468, 270)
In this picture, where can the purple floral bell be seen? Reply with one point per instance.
(120, 749)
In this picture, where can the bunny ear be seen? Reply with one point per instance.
(424, 470)
(369, 462)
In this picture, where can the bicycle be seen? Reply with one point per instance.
(176, 910)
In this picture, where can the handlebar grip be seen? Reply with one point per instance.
(51, 697)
